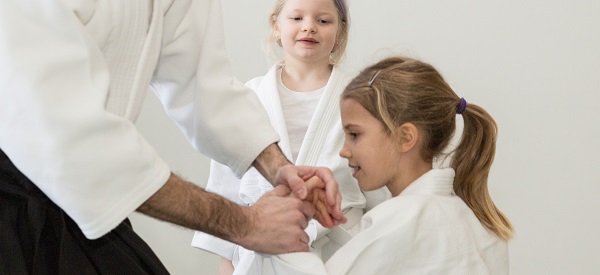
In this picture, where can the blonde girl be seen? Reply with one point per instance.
(301, 95)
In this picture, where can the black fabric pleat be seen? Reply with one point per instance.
(37, 237)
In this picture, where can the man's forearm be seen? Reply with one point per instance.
(183, 203)
(274, 224)
(269, 160)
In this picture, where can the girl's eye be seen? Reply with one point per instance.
(323, 21)
(353, 135)
(296, 18)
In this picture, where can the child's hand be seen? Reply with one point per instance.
(295, 177)
(316, 195)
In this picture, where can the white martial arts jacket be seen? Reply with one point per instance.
(320, 147)
(424, 230)
(73, 75)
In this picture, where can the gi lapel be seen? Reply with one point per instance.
(324, 132)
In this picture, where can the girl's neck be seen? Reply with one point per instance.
(415, 170)
(305, 77)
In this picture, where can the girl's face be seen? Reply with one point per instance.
(371, 152)
(307, 29)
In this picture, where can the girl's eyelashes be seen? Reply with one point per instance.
(321, 21)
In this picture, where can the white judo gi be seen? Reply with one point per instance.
(426, 229)
(73, 76)
(320, 147)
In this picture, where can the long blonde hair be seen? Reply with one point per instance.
(398, 90)
(339, 49)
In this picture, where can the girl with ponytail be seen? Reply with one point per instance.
(399, 90)
(399, 118)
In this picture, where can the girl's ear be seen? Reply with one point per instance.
(409, 136)
(275, 30)
(274, 23)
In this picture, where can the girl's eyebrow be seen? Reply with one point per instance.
(350, 125)
(320, 13)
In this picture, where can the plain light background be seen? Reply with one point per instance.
(533, 64)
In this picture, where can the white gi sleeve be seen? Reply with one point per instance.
(219, 115)
(53, 124)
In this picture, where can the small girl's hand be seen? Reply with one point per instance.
(317, 196)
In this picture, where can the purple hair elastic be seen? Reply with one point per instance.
(462, 106)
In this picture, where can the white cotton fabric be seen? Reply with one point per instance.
(74, 75)
(322, 142)
(424, 230)
(445, 157)
(298, 109)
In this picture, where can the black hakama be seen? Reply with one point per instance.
(38, 237)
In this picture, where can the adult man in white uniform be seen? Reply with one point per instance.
(73, 75)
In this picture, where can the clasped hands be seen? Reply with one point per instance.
(281, 215)
(320, 189)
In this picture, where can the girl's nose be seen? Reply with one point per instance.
(344, 153)
(309, 27)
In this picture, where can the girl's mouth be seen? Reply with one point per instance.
(308, 40)
(355, 170)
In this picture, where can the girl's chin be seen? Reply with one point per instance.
(368, 184)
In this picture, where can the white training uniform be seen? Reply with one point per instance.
(68, 105)
(319, 147)
(425, 230)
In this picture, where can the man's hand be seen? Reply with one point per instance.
(278, 221)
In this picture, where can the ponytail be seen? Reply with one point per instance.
(472, 161)
(397, 90)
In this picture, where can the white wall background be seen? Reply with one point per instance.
(535, 66)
